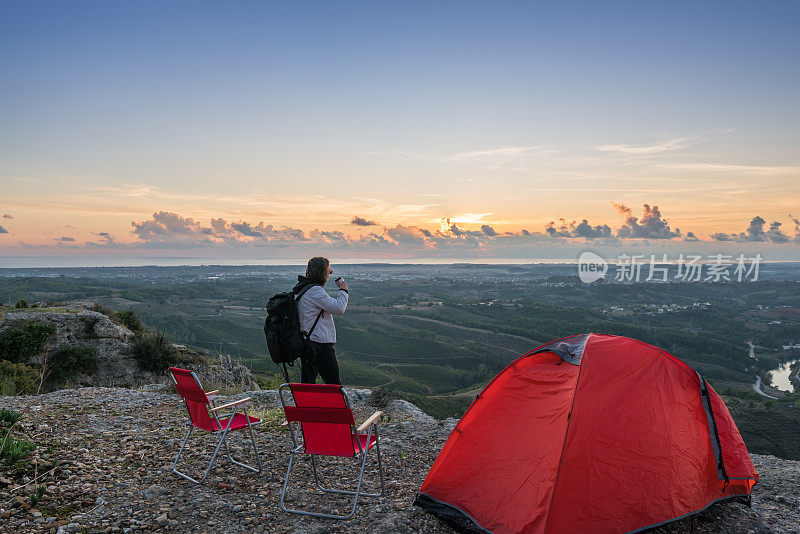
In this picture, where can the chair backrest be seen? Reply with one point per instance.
(190, 390)
(326, 417)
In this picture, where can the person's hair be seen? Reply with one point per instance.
(317, 269)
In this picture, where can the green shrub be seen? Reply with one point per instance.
(69, 360)
(130, 320)
(20, 343)
(14, 449)
(21, 303)
(37, 494)
(154, 352)
(17, 378)
(88, 327)
(9, 416)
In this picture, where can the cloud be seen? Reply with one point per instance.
(690, 237)
(360, 221)
(622, 209)
(65, 239)
(244, 228)
(106, 241)
(3, 230)
(755, 232)
(720, 236)
(579, 230)
(655, 148)
(7, 216)
(488, 230)
(409, 235)
(760, 170)
(651, 226)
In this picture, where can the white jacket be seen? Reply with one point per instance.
(309, 306)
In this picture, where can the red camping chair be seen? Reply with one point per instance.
(200, 405)
(325, 422)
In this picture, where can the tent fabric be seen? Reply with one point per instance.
(616, 442)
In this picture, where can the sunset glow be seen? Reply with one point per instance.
(267, 131)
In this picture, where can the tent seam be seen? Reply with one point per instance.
(566, 435)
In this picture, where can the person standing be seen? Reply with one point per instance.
(317, 306)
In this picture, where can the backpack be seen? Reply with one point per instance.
(285, 341)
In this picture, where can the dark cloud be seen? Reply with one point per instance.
(360, 221)
(7, 216)
(584, 229)
(3, 230)
(65, 239)
(106, 241)
(571, 229)
(488, 230)
(755, 233)
(329, 236)
(525, 232)
(651, 226)
(775, 234)
(720, 236)
(690, 237)
(456, 230)
(244, 228)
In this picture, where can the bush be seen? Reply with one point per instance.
(154, 352)
(17, 378)
(9, 416)
(69, 360)
(21, 303)
(14, 449)
(88, 327)
(20, 343)
(130, 320)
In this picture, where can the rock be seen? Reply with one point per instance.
(409, 411)
(113, 484)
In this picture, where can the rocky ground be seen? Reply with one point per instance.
(105, 456)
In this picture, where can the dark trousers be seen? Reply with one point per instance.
(322, 363)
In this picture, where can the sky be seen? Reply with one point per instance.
(470, 130)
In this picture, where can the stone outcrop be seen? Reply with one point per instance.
(116, 366)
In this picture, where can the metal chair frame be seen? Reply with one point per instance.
(223, 435)
(298, 448)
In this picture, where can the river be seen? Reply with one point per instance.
(779, 378)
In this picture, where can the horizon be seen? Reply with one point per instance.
(389, 133)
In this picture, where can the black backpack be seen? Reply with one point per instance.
(285, 341)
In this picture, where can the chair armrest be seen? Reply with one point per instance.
(234, 403)
(371, 420)
(212, 392)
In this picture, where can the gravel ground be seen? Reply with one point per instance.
(113, 451)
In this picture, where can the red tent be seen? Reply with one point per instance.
(589, 433)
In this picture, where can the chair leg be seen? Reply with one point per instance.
(346, 492)
(255, 451)
(210, 463)
(175, 463)
(357, 493)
